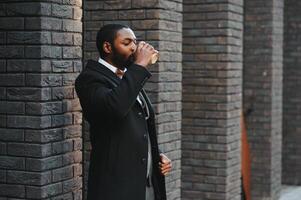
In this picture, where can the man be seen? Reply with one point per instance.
(125, 161)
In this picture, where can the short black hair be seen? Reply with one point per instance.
(107, 33)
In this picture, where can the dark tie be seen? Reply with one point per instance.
(119, 73)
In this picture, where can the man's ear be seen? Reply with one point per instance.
(107, 48)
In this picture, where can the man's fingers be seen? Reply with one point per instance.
(164, 166)
(150, 47)
(164, 159)
(140, 45)
(166, 171)
(165, 162)
(144, 45)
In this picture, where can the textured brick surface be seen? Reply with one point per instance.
(40, 56)
(263, 94)
(212, 86)
(291, 174)
(40, 116)
(160, 23)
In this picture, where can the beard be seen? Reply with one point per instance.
(120, 60)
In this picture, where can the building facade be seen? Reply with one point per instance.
(217, 59)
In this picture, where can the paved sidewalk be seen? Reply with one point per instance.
(290, 192)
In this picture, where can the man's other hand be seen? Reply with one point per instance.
(165, 164)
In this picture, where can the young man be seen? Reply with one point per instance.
(125, 161)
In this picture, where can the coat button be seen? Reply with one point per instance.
(145, 136)
(140, 113)
(143, 160)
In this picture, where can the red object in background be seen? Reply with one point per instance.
(245, 160)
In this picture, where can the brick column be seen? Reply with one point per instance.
(40, 132)
(160, 23)
(291, 173)
(263, 94)
(212, 84)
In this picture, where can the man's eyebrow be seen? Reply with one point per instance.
(131, 39)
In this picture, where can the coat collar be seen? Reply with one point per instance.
(109, 66)
(96, 66)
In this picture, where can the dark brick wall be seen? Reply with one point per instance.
(263, 37)
(40, 119)
(40, 131)
(291, 173)
(160, 23)
(212, 87)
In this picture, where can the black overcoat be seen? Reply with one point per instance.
(118, 132)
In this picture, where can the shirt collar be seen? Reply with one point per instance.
(108, 65)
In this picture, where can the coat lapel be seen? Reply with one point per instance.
(148, 102)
